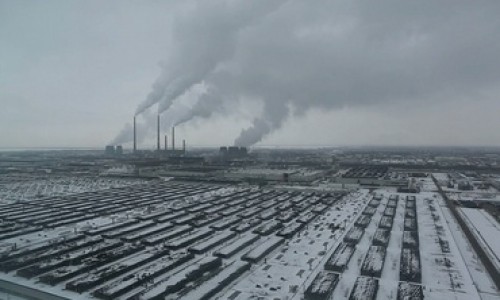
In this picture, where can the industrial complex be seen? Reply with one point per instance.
(229, 223)
(249, 150)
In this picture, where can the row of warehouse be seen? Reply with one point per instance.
(169, 226)
(366, 285)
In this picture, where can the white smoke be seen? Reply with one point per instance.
(146, 124)
(147, 121)
(273, 115)
(208, 102)
(204, 36)
(327, 54)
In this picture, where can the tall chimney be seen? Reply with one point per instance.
(135, 136)
(173, 138)
(158, 135)
(166, 142)
(184, 146)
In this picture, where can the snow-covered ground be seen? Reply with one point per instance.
(486, 229)
(189, 241)
(474, 196)
(479, 275)
(444, 272)
(288, 269)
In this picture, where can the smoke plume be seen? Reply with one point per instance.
(208, 103)
(145, 129)
(204, 36)
(274, 113)
(328, 55)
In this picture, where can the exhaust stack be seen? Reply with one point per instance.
(184, 146)
(135, 136)
(166, 142)
(173, 138)
(158, 134)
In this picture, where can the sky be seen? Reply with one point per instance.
(263, 72)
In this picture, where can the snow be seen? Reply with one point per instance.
(129, 229)
(146, 273)
(107, 272)
(381, 237)
(78, 255)
(237, 245)
(374, 261)
(340, 258)
(148, 231)
(98, 230)
(268, 227)
(289, 271)
(280, 268)
(487, 231)
(491, 195)
(354, 235)
(365, 288)
(173, 278)
(31, 189)
(156, 239)
(260, 251)
(217, 282)
(225, 223)
(189, 238)
(440, 270)
(246, 225)
(323, 284)
(477, 270)
(211, 242)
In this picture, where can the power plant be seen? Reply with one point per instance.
(165, 152)
(226, 154)
(233, 152)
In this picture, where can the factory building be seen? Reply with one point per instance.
(111, 150)
(233, 152)
(119, 150)
(159, 152)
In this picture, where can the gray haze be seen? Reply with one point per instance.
(245, 72)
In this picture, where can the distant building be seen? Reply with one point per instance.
(374, 176)
(465, 185)
(411, 188)
(119, 150)
(110, 150)
(233, 152)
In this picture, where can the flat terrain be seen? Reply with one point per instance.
(175, 240)
(486, 230)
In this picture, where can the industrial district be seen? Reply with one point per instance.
(236, 223)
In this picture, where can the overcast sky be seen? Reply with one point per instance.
(264, 72)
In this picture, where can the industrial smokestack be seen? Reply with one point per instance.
(173, 138)
(135, 136)
(184, 146)
(158, 135)
(166, 142)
